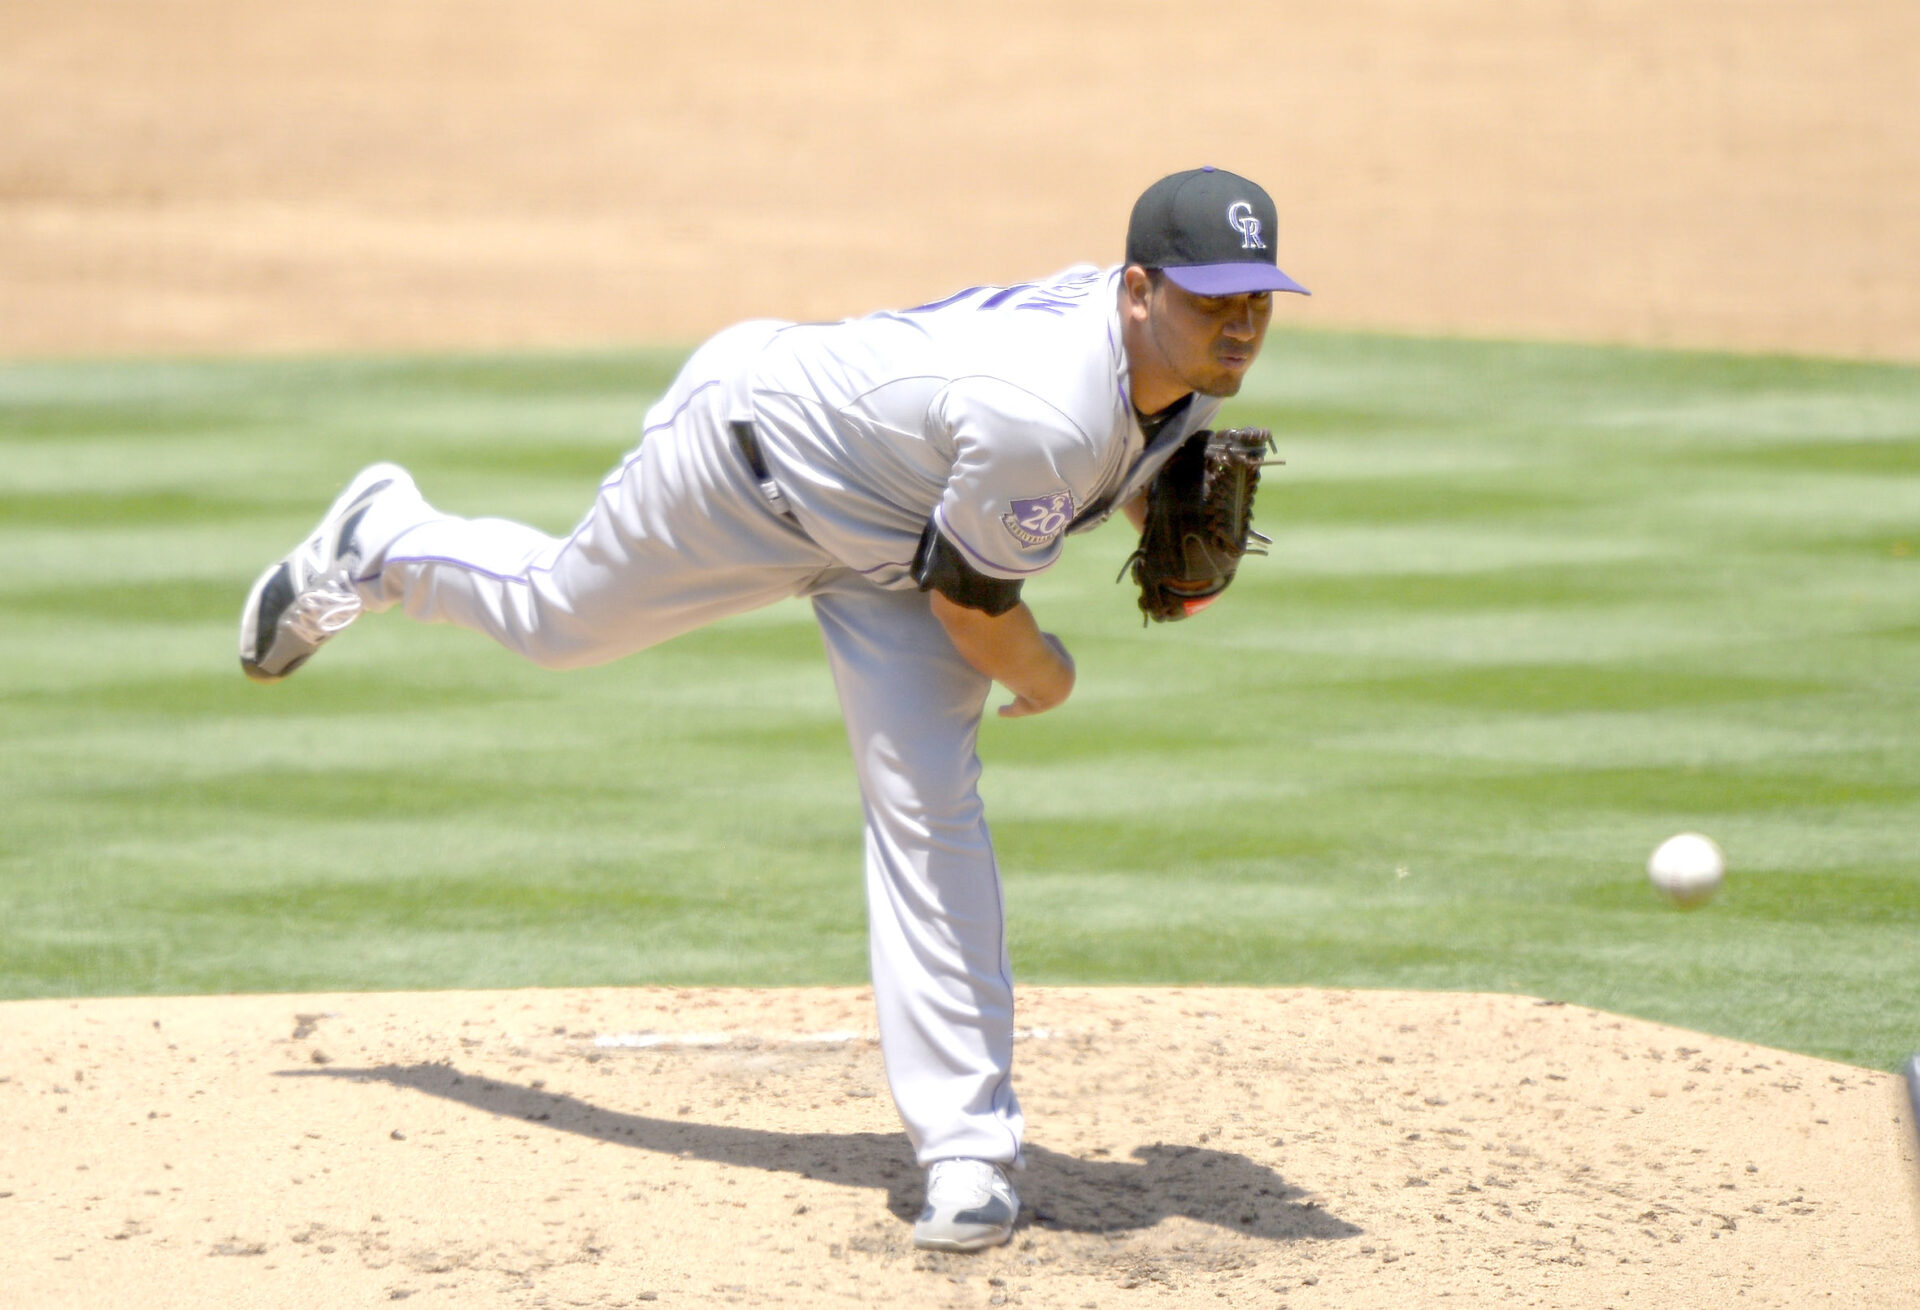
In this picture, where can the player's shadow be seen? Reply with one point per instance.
(1060, 1191)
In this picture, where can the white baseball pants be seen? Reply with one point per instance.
(681, 535)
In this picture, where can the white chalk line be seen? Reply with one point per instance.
(838, 1037)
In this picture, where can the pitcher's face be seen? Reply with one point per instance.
(1206, 342)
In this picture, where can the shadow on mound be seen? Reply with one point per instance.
(1061, 1192)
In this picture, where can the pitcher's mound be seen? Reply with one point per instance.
(1185, 1147)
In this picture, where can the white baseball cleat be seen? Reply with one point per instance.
(306, 597)
(971, 1205)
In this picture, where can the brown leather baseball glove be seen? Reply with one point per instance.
(1199, 522)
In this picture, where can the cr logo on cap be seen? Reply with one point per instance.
(1240, 214)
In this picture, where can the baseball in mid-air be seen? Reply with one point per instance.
(1687, 869)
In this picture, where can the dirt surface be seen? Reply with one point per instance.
(212, 175)
(1188, 1147)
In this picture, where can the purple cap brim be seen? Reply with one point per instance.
(1232, 279)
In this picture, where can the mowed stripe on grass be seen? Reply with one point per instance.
(1530, 609)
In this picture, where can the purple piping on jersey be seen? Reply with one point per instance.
(947, 531)
(1003, 1086)
(1120, 374)
(526, 578)
(675, 416)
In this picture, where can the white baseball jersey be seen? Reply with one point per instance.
(1003, 416)
(1001, 413)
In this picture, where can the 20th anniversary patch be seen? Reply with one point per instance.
(1038, 520)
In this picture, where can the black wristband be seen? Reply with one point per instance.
(939, 566)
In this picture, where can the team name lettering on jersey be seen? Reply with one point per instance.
(1055, 297)
(1038, 520)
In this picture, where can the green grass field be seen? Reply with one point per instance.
(1531, 609)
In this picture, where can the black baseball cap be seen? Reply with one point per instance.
(1211, 231)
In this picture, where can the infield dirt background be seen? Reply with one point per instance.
(216, 175)
(193, 177)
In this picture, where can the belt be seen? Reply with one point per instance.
(749, 443)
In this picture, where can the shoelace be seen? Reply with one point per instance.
(322, 610)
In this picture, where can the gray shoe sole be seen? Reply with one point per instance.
(970, 1230)
(991, 1237)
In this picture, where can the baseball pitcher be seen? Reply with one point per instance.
(905, 472)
